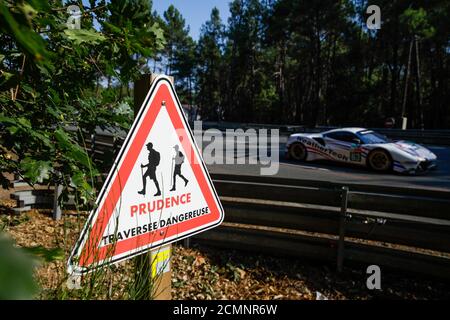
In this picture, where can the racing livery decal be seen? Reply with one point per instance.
(315, 147)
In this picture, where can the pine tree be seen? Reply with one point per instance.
(247, 83)
(210, 69)
(179, 53)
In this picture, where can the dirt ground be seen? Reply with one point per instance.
(202, 272)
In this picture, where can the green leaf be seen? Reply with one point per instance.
(111, 27)
(63, 139)
(72, 150)
(16, 272)
(28, 10)
(82, 36)
(5, 76)
(54, 112)
(40, 5)
(13, 130)
(6, 119)
(43, 137)
(35, 170)
(31, 41)
(48, 255)
(84, 188)
(80, 156)
(24, 123)
(158, 32)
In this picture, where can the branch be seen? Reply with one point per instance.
(20, 77)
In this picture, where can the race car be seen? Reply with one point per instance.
(362, 147)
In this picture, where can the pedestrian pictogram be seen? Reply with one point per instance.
(178, 160)
(157, 192)
(153, 161)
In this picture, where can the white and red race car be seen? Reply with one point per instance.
(363, 147)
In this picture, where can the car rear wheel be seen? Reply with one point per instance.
(298, 152)
(379, 160)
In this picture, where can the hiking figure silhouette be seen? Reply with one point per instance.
(178, 159)
(153, 161)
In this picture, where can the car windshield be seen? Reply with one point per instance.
(370, 137)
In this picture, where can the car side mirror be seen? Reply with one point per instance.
(357, 141)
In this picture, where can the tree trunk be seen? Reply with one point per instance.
(394, 71)
(405, 93)
(418, 85)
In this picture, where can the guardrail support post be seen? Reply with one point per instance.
(93, 144)
(56, 207)
(343, 214)
(187, 243)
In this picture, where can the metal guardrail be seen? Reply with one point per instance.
(433, 137)
(400, 228)
(38, 199)
(111, 136)
(104, 144)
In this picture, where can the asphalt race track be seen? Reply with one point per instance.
(437, 179)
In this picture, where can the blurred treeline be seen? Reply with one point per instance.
(314, 62)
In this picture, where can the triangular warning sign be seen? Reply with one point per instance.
(157, 192)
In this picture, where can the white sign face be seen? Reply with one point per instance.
(158, 191)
